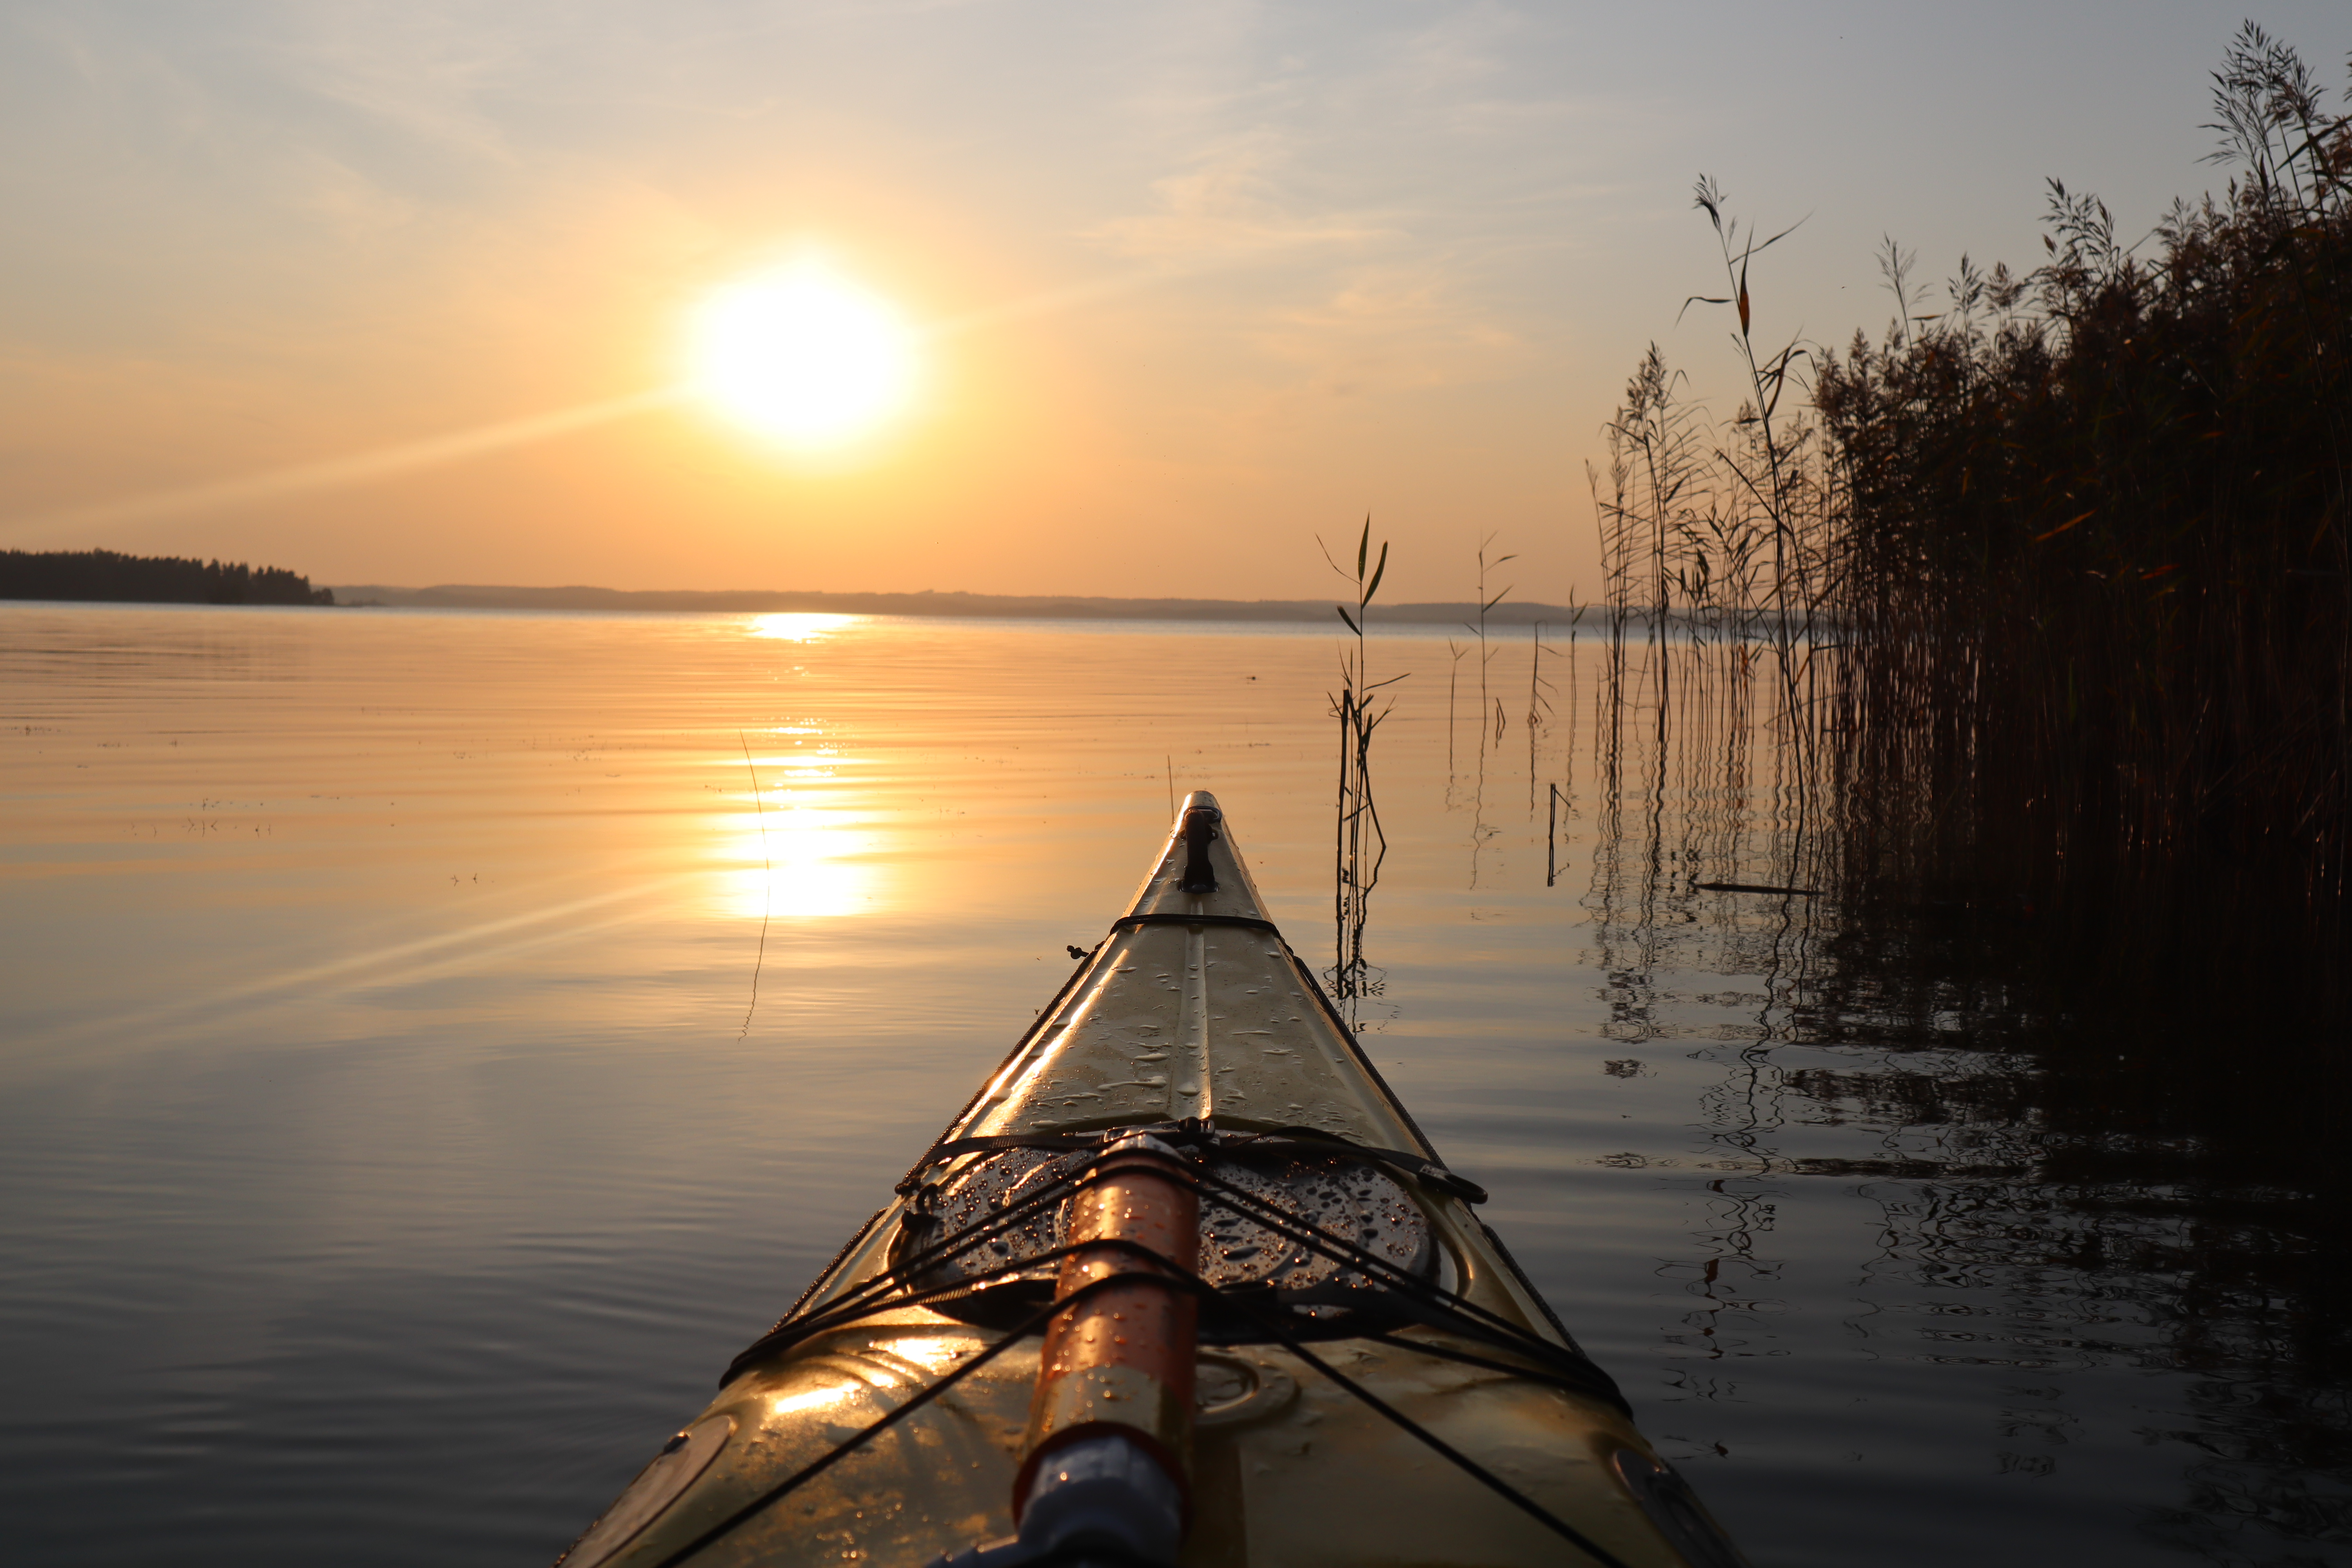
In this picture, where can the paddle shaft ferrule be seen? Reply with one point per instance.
(1120, 1363)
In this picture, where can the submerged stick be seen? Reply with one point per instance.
(1551, 839)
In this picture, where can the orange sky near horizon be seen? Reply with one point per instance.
(1034, 457)
(1192, 288)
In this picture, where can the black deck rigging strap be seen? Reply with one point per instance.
(1246, 922)
(1460, 1460)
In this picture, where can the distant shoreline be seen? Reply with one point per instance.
(1002, 606)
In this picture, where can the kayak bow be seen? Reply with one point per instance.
(1182, 1285)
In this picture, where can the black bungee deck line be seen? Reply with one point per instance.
(1198, 1133)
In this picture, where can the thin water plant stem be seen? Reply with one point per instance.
(767, 883)
(1484, 604)
(1453, 680)
(1537, 707)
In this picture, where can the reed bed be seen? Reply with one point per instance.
(2094, 570)
(1977, 701)
(2048, 587)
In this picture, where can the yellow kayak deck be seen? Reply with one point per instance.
(1328, 1397)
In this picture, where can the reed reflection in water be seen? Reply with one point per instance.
(387, 1162)
(2074, 1185)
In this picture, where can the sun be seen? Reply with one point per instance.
(803, 356)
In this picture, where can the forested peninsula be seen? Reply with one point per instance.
(106, 575)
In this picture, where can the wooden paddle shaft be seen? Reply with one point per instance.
(1120, 1362)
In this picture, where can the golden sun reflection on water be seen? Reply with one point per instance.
(798, 861)
(797, 626)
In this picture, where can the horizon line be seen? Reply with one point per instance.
(587, 596)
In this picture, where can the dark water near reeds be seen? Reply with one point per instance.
(386, 1163)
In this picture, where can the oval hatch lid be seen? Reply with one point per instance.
(682, 1458)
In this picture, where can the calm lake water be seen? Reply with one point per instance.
(393, 1151)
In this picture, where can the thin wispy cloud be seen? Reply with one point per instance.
(428, 72)
(1393, 329)
(1230, 205)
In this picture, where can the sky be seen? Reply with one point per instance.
(403, 293)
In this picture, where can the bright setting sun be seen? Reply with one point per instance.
(803, 356)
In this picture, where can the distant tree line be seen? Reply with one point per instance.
(104, 574)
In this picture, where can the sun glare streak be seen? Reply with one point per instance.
(465, 949)
(365, 467)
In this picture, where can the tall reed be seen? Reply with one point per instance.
(1359, 845)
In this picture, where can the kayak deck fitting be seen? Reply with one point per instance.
(1184, 1285)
